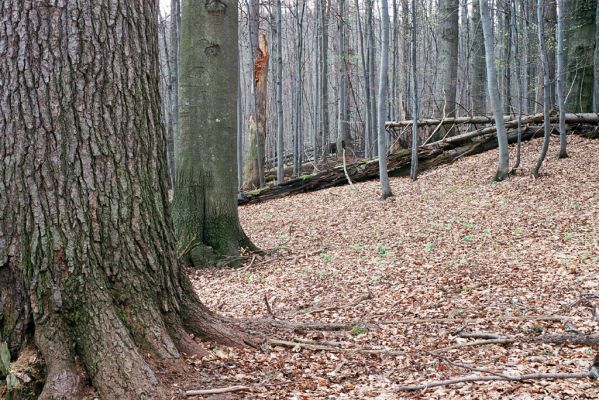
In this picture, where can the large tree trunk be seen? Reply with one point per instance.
(479, 75)
(204, 208)
(580, 34)
(87, 250)
(447, 60)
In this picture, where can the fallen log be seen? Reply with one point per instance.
(489, 119)
(429, 156)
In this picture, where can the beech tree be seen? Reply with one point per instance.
(493, 89)
(88, 266)
(205, 204)
(382, 103)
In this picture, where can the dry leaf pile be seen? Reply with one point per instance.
(448, 254)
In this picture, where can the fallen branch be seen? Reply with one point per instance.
(201, 392)
(312, 346)
(357, 301)
(480, 335)
(475, 378)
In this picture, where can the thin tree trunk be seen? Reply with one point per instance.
(503, 166)
(278, 27)
(479, 95)
(382, 101)
(563, 140)
(546, 90)
(516, 49)
(415, 99)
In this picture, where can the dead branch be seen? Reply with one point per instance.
(357, 301)
(480, 335)
(229, 389)
(270, 312)
(313, 346)
(482, 378)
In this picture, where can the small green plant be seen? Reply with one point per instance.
(358, 330)
(428, 247)
(327, 257)
(486, 232)
(568, 235)
(357, 247)
(251, 278)
(267, 216)
(469, 238)
(382, 250)
(376, 279)
(518, 231)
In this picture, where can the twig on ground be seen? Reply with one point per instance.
(270, 312)
(216, 391)
(480, 335)
(311, 326)
(476, 378)
(355, 302)
(249, 265)
(311, 346)
(475, 343)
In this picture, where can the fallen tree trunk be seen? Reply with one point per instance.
(429, 156)
(489, 119)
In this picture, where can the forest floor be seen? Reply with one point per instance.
(517, 259)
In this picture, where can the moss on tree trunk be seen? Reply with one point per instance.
(205, 203)
(86, 223)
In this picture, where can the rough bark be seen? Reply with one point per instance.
(83, 194)
(204, 207)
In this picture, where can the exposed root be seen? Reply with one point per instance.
(202, 322)
(112, 359)
(63, 377)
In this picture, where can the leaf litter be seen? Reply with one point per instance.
(448, 253)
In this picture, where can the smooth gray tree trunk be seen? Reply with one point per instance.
(479, 75)
(447, 61)
(546, 89)
(415, 98)
(205, 203)
(493, 89)
(382, 101)
(563, 140)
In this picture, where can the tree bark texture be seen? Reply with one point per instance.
(580, 46)
(87, 250)
(204, 208)
(448, 59)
